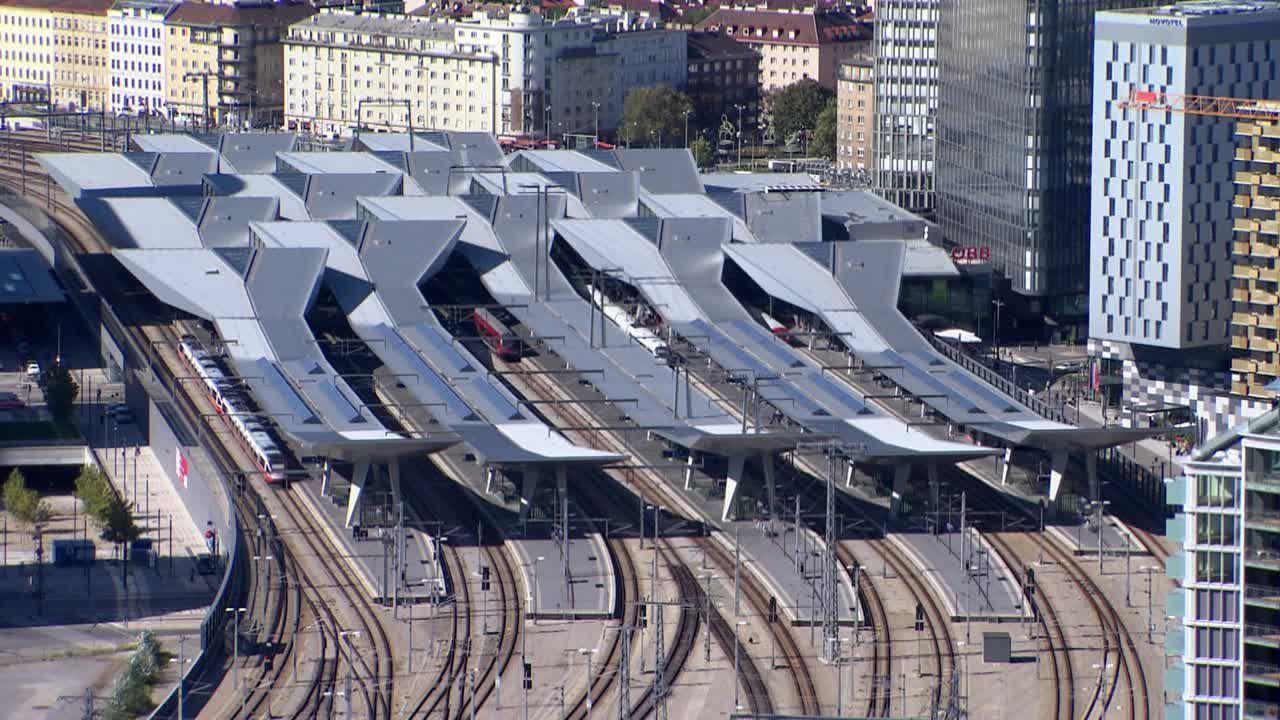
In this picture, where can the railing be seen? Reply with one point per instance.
(1261, 710)
(995, 379)
(1261, 591)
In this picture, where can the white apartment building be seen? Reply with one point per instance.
(511, 74)
(136, 29)
(1161, 198)
(340, 69)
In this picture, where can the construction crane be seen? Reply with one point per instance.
(1228, 107)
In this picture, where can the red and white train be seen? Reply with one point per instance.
(782, 332)
(233, 404)
(504, 343)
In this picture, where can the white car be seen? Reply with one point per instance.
(33, 370)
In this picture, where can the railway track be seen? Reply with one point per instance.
(652, 489)
(1047, 618)
(191, 404)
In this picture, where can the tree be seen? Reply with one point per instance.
(95, 492)
(796, 108)
(60, 390)
(824, 133)
(654, 116)
(23, 503)
(704, 155)
(118, 525)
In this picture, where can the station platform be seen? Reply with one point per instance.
(978, 587)
(423, 579)
(1083, 538)
(790, 569)
(586, 590)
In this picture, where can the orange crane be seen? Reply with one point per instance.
(1230, 107)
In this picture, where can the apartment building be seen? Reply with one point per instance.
(237, 51)
(81, 54)
(138, 66)
(1255, 275)
(512, 73)
(795, 43)
(1224, 659)
(723, 75)
(26, 51)
(341, 69)
(855, 114)
(906, 102)
(1161, 216)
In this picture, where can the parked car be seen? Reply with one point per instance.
(33, 370)
(122, 413)
(10, 401)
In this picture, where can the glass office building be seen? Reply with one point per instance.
(1013, 156)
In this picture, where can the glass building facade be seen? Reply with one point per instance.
(906, 102)
(1014, 138)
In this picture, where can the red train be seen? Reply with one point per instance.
(504, 343)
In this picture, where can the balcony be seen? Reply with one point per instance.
(1243, 365)
(1263, 483)
(1267, 520)
(1260, 344)
(1269, 180)
(1263, 250)
(1242, 200)
(1267, 596)
(1244, 224)
(1240, 295)
(1262, 635)
(1257, 710)
(1244, 154)
(1269, 227)
(1239, 388)
(1262, 674)
(1244, 319)
(1239, 342)
(1247, 178)
(1262, 559)
(1244, 271)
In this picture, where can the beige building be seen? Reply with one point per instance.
(55, 48)
(855, 110)
(794, 44)
(1255, 279)
(238, 51)
(342, 69)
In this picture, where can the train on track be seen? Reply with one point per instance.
(229, 397)
(504, 343)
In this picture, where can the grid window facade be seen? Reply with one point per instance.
(906, 102)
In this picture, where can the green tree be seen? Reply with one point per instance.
(824, 133)
(95, 492)
(60, 390)
(704, 155)
(23, 503)
(118, 524)
(796, 108)
(654, 116)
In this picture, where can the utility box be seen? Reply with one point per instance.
(73, 552)
(997, 647)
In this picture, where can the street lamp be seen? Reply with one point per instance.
(586, 652)
(546, 123)
(235, 643)
(737, 704)
(686, 128)
(533, 601)
(740, 108)
(595, 112)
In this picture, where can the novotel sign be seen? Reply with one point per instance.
(970, 254)
(1167, 22)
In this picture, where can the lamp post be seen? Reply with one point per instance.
(737, 704)
(686, 128)
(533, 601)
(740, 107)
(595, 113)
(546, 123)
(235, 643)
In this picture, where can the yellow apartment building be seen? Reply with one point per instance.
(55, 49)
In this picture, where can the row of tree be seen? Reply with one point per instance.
(801, 112)
(22, 502)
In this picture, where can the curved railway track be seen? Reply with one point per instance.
(376, 691)
(1055, 640)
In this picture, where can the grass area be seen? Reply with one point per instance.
(38, 430)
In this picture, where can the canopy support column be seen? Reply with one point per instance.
(901, 474)
(770, 484)
(1091, 471)
(734, 479)
(359, 476)
(528, 486)
(1057, 468)
(1004, 467)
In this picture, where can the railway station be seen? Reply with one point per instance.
(594, 348)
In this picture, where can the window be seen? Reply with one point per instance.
(1215, 567)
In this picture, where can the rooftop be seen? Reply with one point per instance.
(1204, 9)
(201, 13)
(397, 25)
(26, 278)
(715, 45)
(82, 7)
(789, 27)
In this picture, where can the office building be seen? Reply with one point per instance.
(230, 57)
(26, 51)
(795, 43)
(1160, 290)
(906, 102)
(724, 76)
(138, 67)
(1013, 158)
(855, 114)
